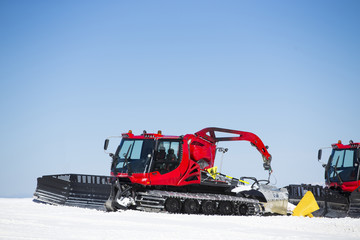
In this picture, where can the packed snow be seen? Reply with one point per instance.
(25, 219)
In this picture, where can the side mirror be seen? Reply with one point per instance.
(319, 154)
(106, 144)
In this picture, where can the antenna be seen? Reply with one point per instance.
(223, 151)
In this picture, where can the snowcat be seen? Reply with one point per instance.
(341, 195)
(176, 174)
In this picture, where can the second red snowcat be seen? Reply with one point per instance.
(341, 195)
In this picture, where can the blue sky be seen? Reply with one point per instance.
(74, 72)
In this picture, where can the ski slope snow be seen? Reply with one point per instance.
(25, 219)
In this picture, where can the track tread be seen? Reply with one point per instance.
(253, 206)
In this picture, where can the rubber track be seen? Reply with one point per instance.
(154, 200)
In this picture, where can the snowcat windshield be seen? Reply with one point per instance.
(137, 154)
(342, 166)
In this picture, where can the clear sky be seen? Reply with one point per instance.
(75, 72)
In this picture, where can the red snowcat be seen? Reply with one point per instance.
(341, 195)
(176, 174)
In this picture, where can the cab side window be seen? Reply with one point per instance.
(167, 156)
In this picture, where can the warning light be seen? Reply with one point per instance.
(159, 132)
(339, 142)
(130, 132)
(351, 142)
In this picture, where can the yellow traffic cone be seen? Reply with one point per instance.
(306, 206)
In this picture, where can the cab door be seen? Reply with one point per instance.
(167, 157)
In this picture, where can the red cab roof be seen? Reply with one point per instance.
(339, 145)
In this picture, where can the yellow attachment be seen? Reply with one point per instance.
(212, 171)
(243, 181)
(239, 179)
(306, 206)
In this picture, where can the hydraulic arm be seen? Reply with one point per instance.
(209, 134)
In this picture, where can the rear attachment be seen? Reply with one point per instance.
(88, 191)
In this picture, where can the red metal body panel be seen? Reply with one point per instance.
(202, 150)
(348, 146)
(346, 186)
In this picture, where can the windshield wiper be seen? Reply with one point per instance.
(127, 162)
(335, 170)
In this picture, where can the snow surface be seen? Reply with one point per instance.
(25, 219)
